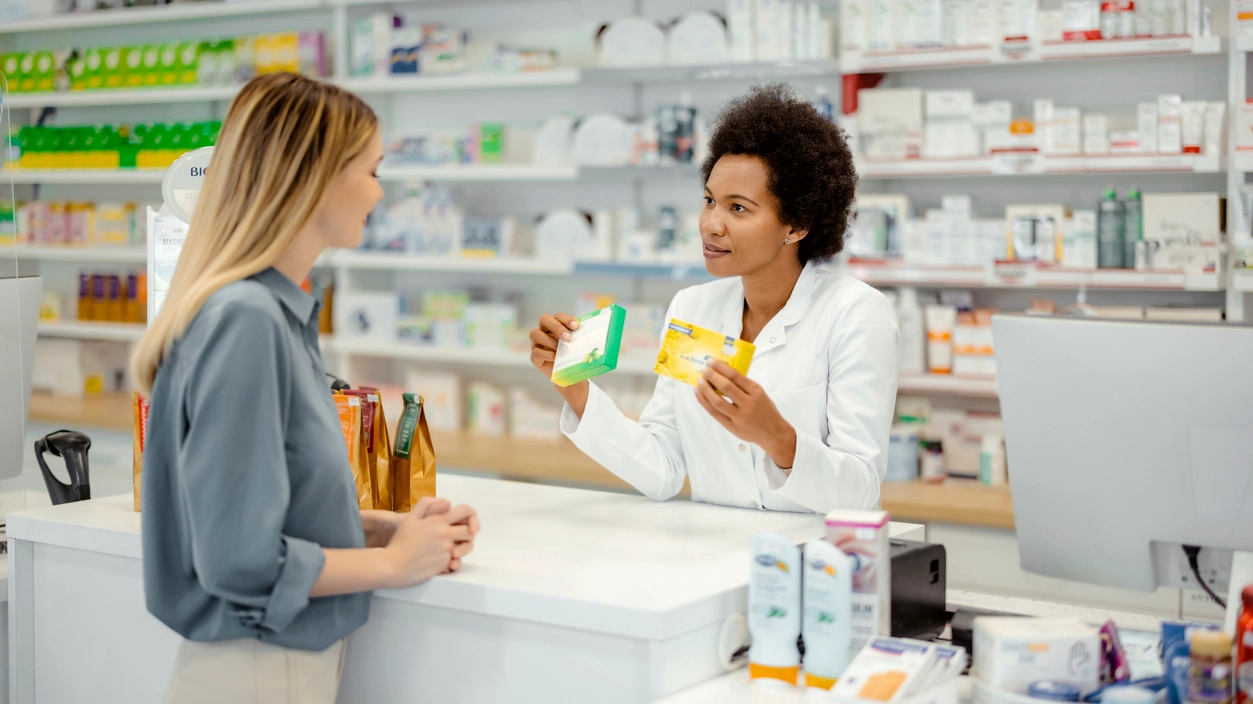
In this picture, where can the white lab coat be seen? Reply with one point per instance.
(828, 361)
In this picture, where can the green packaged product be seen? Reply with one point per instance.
(44, 71)
(167, 65)
(10, 66)
(113, 67)
(491, 142)
(152, 65)
(25, 73)
(133, 66)
(78, 73)
(93, 69)
(189, 62)
(592, 349)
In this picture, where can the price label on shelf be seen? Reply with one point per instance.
(1017, 161)
(1013, 274)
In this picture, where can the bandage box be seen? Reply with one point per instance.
(592, 349)
(889, 123)
(687, 351)
(863, 536)
(1011, 652)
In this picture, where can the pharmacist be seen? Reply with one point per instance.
(807, 428)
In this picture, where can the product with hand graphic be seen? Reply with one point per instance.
(687, 351)
(592, 349)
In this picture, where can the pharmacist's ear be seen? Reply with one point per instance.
(793, 236)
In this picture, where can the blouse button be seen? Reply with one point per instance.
(742, 448)
(772, 339)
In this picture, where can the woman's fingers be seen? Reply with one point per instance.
(711, 401)
(542, 339)
(728, 388)
(733, 375)
(556, 325)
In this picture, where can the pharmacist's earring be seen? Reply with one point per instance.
(787, 241)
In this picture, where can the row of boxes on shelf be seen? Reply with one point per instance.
(454, 403)
(144, 146)
(428, 222)
(385, 44)
(1150, 231)
(933, 444)
(948, 334)
(453, 320)
(80, 368)
(187, 63)
(909, 123)
(78, 223)
(113, 297)
(887, 25)
(752, 30)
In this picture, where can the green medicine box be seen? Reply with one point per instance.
(592, 349)
(168, 69)
(93, 69)
(152, 65)
(45, 72)
(188, 63)
(113, 67)
(133, 66)
(11, 67)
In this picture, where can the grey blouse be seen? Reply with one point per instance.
(246, 475)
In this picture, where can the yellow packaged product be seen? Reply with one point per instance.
(139, 440)
(687, 351)
(378, 456)
(349, 409)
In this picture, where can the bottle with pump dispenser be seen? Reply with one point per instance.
(827, 623)
(1133, 228)
(1109, 229)
(913, 345)
(774, 610)
(822, 104)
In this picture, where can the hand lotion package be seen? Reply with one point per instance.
(592, 349)
(863, 536)
(774, 609)
(687, 351)
(828, 612)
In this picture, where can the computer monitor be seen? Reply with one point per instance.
(1125, 441)
(19, 315)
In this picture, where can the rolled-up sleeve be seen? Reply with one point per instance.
(235, 483)
(846, 470)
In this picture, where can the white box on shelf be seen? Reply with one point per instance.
(1244, 124)
(1014, 652)
(1095, 134)
(1182, 231)
(890, 124)
(1079, 241)
(367, 316)
(1170, 124)
(487, 413)
(442, 394)
(1146, 117)
(1066, 131)
(880, 32)
(1042, 116)
(950, 105)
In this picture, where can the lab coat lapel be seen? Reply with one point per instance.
(775, 333)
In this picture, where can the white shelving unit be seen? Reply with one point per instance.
(148, 15)
(1107, 164)
(967, 56)
(478, 173)
(464, 81)
(386, 261)
(94, 255)
(121, 96)
(118, 332)
(84, 177)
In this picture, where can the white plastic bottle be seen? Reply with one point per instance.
(774, 609)
(913, 332)
(827, 624)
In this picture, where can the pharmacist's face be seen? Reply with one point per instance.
(739, 224)
(352, 196)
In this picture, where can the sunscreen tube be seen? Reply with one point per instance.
(774, 609)
(1193, 118)
(827, 624)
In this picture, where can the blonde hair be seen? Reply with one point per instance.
(284, 139)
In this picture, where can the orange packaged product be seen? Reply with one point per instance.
(378, 456)
(349, 409)
(139, 440)
(413, 463)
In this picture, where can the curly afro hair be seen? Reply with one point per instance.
(811, 167)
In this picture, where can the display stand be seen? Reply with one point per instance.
(167, 227)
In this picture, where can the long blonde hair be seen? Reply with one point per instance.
(284, 139)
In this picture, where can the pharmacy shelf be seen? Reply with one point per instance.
(947, 385)
(121, 96)
(88, 255)
(983, 55)
(83, 177)
(1244, 161)
(166, 13)
(478, 173)
(465, 81)
(1073, 165)
(712, 72)
(676, 272)
(384, 261)
(1014, 275)
(122, 332)
(1242, 280)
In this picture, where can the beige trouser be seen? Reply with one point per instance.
(252, 672)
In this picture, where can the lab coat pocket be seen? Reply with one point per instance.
(805, 409)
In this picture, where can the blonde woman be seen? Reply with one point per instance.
(254, 548)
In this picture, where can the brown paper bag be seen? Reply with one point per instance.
(139, 440)
(377, 452)
(349, 409)
(413, 465)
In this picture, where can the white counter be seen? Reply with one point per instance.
(571, 595)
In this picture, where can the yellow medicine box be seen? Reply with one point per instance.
(687, 351)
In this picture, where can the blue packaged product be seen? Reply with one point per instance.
(1177, 657)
